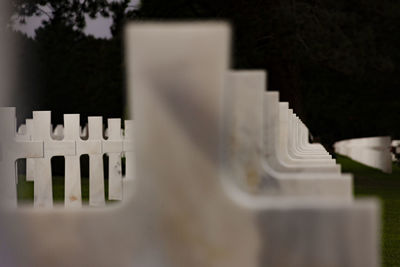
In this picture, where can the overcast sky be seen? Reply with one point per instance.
(99, 27)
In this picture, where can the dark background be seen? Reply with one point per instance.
(335, 61)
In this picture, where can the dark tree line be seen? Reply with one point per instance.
(335, 61)
(66, 71)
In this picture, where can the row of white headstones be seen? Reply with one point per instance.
(261, 127)
(287, 150)
(38, 143)
(224, 175)
(371, 151)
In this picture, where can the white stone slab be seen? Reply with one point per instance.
(371, 151)
(43, 192)
(243, 126)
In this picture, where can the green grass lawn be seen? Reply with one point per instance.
(25, 190)
(386, 187)
(367, 182)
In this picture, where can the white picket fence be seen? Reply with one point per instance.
(371, 151)
(38, 142)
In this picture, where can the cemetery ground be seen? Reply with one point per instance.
(368, 182)
(25, 188)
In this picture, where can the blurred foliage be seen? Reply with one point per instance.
(335, 61)
(73, 13)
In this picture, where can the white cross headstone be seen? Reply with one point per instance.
(43, 193)
(91, 147)
(113, 146)
(96, 166)
(11, 150)
(72, 190)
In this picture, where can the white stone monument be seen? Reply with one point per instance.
(371, 151)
